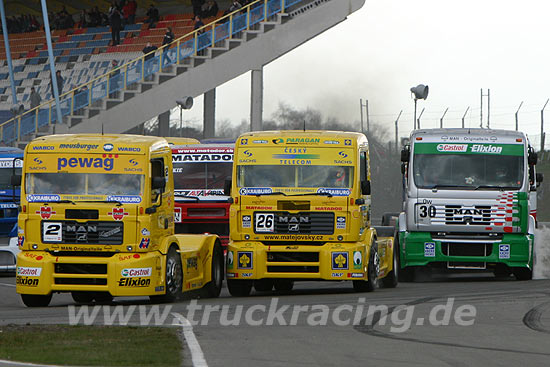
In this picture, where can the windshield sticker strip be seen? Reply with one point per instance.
(456, 148)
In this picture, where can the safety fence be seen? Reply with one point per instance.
(138, 70)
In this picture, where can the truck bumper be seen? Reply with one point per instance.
(420, 249)
(123, 274)
(331, 261)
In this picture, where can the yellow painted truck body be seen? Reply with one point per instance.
(97, 220)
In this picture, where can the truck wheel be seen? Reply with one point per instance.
(35, 300)
(391, 280)
(239, 288)
(214, 287)
(373, 270)
(174, 278)
(82, 297)
(523, 273)
(283, 285)
(263, 285)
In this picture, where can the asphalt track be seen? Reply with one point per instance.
(511, 325)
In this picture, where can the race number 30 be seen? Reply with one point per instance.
(265, 222)
(51, 232)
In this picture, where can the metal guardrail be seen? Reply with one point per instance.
(138, 69)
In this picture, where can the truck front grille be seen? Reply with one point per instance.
(311, 257)
(63, 268)
(462, 215)
(303, 223)
(90, 233)
(466, 249)
(81, 281)
(292, 269)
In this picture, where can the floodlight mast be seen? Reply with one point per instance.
(420, 92)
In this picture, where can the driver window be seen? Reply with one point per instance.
(157, 170)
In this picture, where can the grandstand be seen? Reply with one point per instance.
(195, 64)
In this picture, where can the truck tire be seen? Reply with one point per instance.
(523, 273)
(283, 285)
(263, 285)
(35, 300)
(214, 287)
(239, 288)
(391, 280)
(174, 278)
(373, 269)
(83, 297)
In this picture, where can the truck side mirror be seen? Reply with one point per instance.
(227, 187)
(158, 183)
(16, 180)
(405, 154)
(540, 178)
(365, 187)
(532, 158)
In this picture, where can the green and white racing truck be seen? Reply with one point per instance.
(466, 202)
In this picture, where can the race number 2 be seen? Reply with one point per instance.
(264, 222)
(51, 232)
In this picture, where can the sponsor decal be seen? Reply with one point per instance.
(29, 272)
(145, 232)
(255, 190)
(231, 275)
(452, 147)
(256, 207)
(332, 142)
(356, 275)
(201, 158)
(244, 260)
(52, 231)
(159, 288)
(303, 140)
(7, 205)
(337, 275)
(229, 259)
(38, 161)
(125, 199)
(347, 142)
(108, 147)
(192, 263)
(491, 149)
(429, 249)
(134, 282)
(144, 243)
(20, 240)
(42, 198)
(199, 192)
(357, 259)
(43, 147)
(86, 147)
(26, 281)
(129, 149)
(177, 216)
(118, 213)
(136, 272)
(247, 221)
(107, 163)
(503, 251)
(329, 208)
(339, 260)
(45, 212)
(244, 141)
(8, 162)
(246, 275)
(340, 222)
(260, 141)
(334, 192)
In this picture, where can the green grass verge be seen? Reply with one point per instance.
(91, 345)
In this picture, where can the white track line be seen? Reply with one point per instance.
(196, 352)
(13, 363)
(8, 285)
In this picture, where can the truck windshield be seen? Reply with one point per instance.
(295, 176)
(84, 183)
(468, 171)
(205, 176)
(5, 178)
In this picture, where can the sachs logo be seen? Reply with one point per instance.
(45, 212)
(118, 213)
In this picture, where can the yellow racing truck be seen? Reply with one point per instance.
(301, 211)
(97, 221)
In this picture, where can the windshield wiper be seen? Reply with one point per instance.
(448, 187)
(272, 193)
(118, 203)
(495, 187)
(328, 194)
(62, 201)
(195, 198)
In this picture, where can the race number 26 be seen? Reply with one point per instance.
(265, 222)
